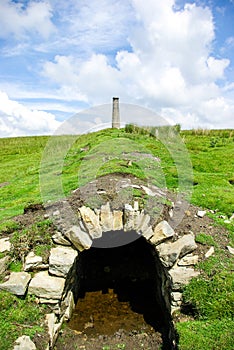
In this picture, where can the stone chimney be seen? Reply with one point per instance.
(115, 113)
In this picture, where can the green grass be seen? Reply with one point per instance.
(206, 335)
(18, 317)
(38, 169)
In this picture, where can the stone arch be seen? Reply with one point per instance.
(58, 284)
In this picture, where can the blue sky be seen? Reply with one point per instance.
(59, 57)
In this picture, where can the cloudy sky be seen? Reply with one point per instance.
(57, 58)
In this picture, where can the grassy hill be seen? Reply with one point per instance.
(199, 163)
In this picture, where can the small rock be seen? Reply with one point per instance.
(45, 286)
(32, 261)
(91, 222)
(106, 218)
(79, 237)
(17, 283)
(181, 276)
(201, 213)
(209, 252)
(56, 213)
(188, 260)
(24, 343)
(162, 231)
(5, 245)
(117, 220)
(4, 263)
(230, 249)
(61, 260)
(170, 252)
(60, 239)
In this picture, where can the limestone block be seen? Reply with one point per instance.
(181, 276)
(230, 249)
(148, 233)
(210, 252)
(53, 327)
(45, 286)
(5, 245)
(117, 220)
(69, 303)
(58, 238)
(106, 218)
(17, 283)
(130, 216)
(143, 223)
(201, 213)
(188, 260)
(4, 263)
(32, 262)
(79, 238)
(61, 260)
(24, 343)
(91, 222)
(169, 252)
(162, 231)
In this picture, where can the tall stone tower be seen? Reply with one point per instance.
(115, 113)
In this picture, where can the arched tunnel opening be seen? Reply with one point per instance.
(122, 287)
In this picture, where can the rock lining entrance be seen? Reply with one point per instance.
(58, 282)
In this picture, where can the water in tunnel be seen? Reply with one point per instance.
(123, 287)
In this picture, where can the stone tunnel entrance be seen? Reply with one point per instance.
(122, 287)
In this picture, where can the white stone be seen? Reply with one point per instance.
(176, 296)
(69, 303)
(230, 249)
(56, 213)
(53, 327)
(148, 191)
(201, 213)
(5, 245)
(128, 207)
(17, 283)
(232, 217)
(79, 238)
(61, 260)
(24, 343)
(91, 222)
(4, 263)
(32, 261)
(162, 231)
(45, 286)
(170, 252)
(210, 252)
(188, 260)
(136, 206)
(106, 218)
(144, 223)
(181, 276)
(60, 239)
(117, 220)
(148, 233)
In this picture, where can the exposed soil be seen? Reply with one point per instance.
(123, 328)
(111, 325)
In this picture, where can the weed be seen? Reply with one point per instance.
(205, 239)
(18, 317)
(212, 298)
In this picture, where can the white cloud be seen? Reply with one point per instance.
(145, 52)
(19, 20)
(169, 66)
(18, 120)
